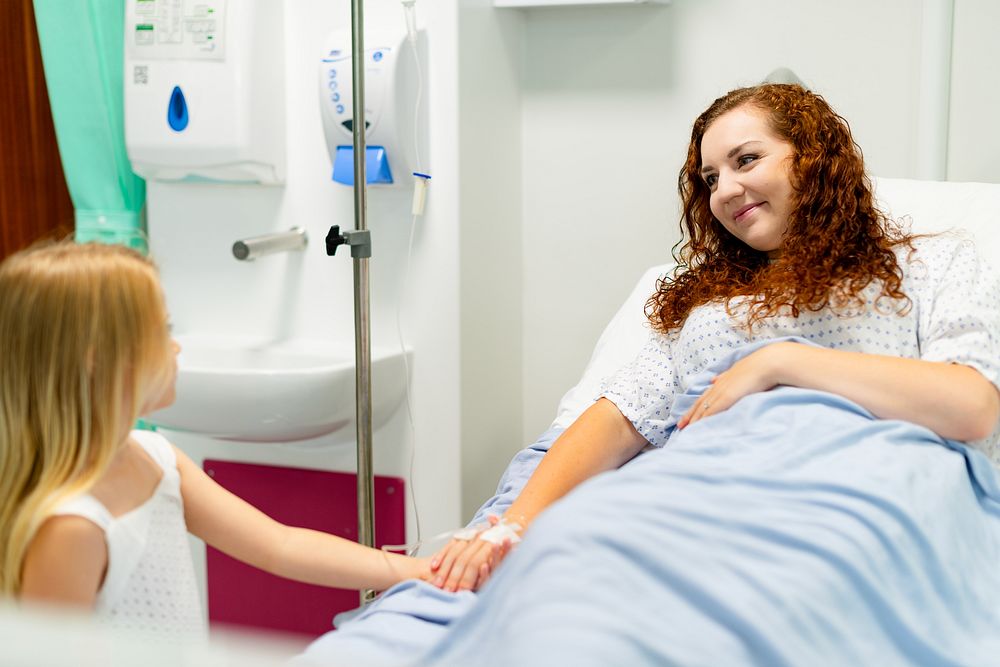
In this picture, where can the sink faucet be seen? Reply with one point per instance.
(257, 246)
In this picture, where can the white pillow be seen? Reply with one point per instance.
(620, 342)
(935, 206)
(931, 206)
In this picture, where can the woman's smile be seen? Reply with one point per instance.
(745, 212)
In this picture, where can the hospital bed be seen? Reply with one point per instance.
(920, 605)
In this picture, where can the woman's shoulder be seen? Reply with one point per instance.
(948, 260)
(938, 252)
(938, 242)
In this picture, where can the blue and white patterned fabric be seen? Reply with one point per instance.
(955, 317)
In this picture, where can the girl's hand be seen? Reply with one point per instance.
(751, 374)
(419, 568)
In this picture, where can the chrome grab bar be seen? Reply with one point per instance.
(266, 244)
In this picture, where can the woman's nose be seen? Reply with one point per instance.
(728, 186)
(175, 345)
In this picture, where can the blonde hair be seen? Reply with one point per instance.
(83, 340)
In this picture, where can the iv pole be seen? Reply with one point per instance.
(362, 295)
(360, 242)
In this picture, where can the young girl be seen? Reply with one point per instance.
(92, 514)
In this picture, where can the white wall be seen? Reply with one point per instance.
(974, 140)
(492, 294)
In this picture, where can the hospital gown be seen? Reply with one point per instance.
(954, 317)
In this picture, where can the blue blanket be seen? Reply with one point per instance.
(791, 529)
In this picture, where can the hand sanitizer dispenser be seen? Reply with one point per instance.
(204, 90)
(392, 93)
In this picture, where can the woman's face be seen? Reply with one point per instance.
(745, 166)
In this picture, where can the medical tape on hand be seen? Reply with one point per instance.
(503, 531)
(468, 534)
(494, 535)
(412, 548)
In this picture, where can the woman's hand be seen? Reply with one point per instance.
(751, 374)
(467, 564)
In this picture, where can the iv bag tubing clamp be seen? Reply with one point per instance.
(360, 241)
(266, 244)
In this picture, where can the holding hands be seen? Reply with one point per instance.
(472, 555)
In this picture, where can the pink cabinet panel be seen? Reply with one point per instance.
(241, 595)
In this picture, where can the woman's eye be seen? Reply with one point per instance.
(710, 180)
(744, 160)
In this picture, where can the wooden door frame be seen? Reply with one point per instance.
(34, 199)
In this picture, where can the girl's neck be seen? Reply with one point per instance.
(130, 480)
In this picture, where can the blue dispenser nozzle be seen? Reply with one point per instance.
(377, 170)
(177, 111)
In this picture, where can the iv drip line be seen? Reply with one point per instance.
(408, 9)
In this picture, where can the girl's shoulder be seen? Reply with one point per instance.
(144, 469)
(86, 506)
(65, 560)
(158, 448)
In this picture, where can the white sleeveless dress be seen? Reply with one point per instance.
(150, 584)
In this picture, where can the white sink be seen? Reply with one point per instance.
(266, 391)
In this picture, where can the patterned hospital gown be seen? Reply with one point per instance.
(955, 317)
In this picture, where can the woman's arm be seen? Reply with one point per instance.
(235, 527)
(953, 400)
(600, 439)
(65, 563)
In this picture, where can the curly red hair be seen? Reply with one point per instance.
(837, 241)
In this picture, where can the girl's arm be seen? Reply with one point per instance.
(65, 563)
(600, 439)
(953, 400)
(235, 527)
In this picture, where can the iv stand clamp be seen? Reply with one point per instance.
(360, 241)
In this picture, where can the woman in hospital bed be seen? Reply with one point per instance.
(816, 404)
(783, 238)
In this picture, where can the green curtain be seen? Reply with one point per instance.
(82, 44)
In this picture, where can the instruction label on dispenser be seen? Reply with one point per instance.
(175, 29)
(336, 94)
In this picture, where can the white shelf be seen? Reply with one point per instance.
(578, 3)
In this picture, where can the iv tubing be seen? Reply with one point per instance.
(420, 180)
